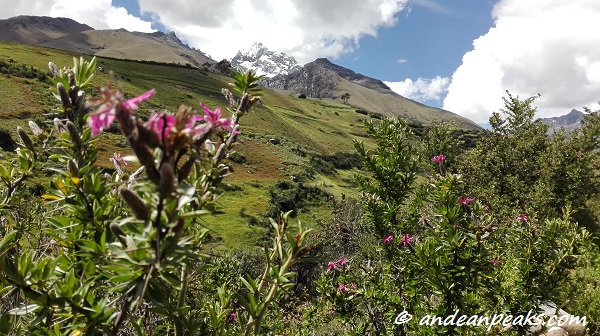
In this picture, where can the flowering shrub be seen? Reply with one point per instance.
(120, 253)
(493, 230)
(436, 250)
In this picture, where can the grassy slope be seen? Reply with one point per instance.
(300, 125)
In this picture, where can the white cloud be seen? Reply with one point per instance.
(99, 14)
(422, 89)
(116, 16)
(551, 47)
(306, 29)
(12, 8)
(402, 61)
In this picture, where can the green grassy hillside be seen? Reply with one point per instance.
(278, 140)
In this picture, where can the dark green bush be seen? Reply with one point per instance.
(6, 141)
(237, 157)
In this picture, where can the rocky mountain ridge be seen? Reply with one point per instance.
(37, 30)
(264, 61)
(67, 34)
(569, 121)
(322, 79)
(318, 79)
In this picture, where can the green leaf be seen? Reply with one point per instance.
(195, 214)
(27, 309)
(7, 239)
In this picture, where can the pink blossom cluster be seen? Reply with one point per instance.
(439, 159)
(466, 200)
(161, 123)
(107, 110)
(407, 239)
(118, 161)
(346, 288)
(232, 317)
(522, 218)
(334, 264)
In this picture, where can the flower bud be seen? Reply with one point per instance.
(167, 180)
(220, 153)
(146, 159)
(58, 125)
(140, 209)
(64, 96)
(53, 69)
(233, 135)
(229, 97)
(72, 83)
(209, 146)
(243, 106)
(35, 129)
(118, 232)
(79, 100)
(134, 177)
(74, 133)
(25, 138)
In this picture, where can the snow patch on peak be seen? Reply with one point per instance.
(264, 61)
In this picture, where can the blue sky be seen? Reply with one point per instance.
(461, 55)
(430, 41)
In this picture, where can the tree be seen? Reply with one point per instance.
(345, 97)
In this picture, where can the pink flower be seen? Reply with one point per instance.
(106, 113)
(118, 161)
(232, 317)
(347, 288)
(438, 159)
(456, 226)
(333, 264)
(161, 123)
(407, 239)
(387, 239)
(466, 200)
(522, 218)
(214, 119)
(132, 104)
(494, 261)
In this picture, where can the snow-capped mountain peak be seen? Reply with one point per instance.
(264, 61)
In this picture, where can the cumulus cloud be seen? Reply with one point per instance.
(402, 61)
(306, 29)
(549, 47)
(98, 14)
(422, 89)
